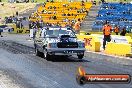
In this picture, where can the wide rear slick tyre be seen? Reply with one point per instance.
(80, 56)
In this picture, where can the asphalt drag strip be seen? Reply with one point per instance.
(30, 71)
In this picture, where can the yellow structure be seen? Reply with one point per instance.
(92, 43)
(18, 30)
(129, 39)
(120, 49)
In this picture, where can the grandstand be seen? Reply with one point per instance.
(116, 14)
(65, 13)
(61, 12)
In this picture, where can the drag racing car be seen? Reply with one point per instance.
(58, 41)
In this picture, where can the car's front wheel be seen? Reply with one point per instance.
(37, 53)
(46, 55)
(80, 56)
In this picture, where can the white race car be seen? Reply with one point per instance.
(58, 41)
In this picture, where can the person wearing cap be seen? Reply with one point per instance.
(107, 34)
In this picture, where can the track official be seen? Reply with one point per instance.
(107, 34)
(116, 30)
(77, 26)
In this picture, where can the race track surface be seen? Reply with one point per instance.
(25, 70)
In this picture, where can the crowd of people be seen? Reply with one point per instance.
(20, 22)
(10, 19)
(41, 24)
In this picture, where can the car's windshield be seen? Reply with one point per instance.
(57, 33)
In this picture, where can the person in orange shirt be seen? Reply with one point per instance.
(107, 34)
(77, 26)
(116, 29)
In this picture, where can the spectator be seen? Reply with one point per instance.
(54, 7)
(41, 23)
(82, 3)
(14, 19)
(75, 8)
(103, 1)
(54, 12)
(53, 24)
(94, 2)
(69, 25)
(52, 1)
(64, 5)
(44, 4)
(87, 12)
(37, 24)
(6, 20)
(54, 17)
(66, 20)
(50, 25)
(78, 11)
(47, 24)
(30, 25)
(77, 26)
(0, 32)
(44, 11)
(123, 32)
(107, 34)
(124, 12)
(108, 13)
(64, 14)
(50, 7)
(49, 12)
(58, 24)
(34, 31)
(116, 29)
(16, 13)
(68, 14)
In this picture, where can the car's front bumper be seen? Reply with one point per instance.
(65, 51)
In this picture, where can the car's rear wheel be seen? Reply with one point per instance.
(46, 55)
